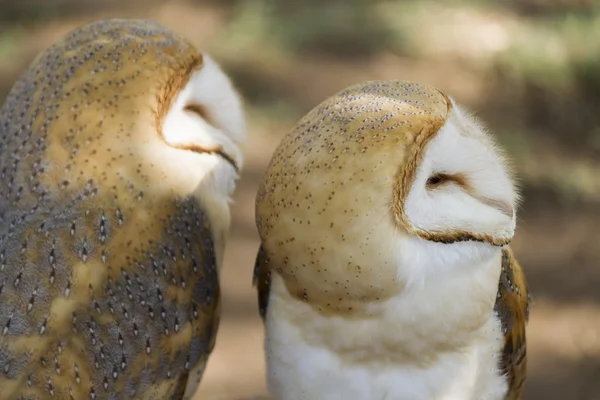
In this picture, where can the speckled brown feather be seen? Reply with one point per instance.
(512, 306)
(376, 121)
(108, 284)
(363, 145)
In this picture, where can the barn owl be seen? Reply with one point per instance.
(384, 270)
(120, 147)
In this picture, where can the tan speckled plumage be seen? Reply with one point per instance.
(376, 122)
(108, 282)
(335, 191)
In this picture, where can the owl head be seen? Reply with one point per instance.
(378, 178)
(130, 110)
(135, 92)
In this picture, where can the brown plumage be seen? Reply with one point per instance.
(108, 278)
(512, 305)
(385, 216)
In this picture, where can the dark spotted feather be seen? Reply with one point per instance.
(108, 282)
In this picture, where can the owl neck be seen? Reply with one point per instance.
(447, 299)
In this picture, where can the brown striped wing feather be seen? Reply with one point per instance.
(512, 307)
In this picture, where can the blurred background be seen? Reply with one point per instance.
(530, 69)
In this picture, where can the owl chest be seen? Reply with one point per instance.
(298, 369)
(102, 308)
(439, 349)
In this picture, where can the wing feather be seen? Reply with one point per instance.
(512, 307)
(262, 281)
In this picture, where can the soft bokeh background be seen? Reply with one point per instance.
(529, 68)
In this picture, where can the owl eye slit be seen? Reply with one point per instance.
(436, 180)
(202, 111)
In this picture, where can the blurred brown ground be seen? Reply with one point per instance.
(529, 68)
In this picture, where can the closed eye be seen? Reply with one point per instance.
(435, 180)
(439, 179)
(204, 113)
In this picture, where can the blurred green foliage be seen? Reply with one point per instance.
(541, 66)
(336, 27)
(558, 51)
(8, 43)
(545, 79)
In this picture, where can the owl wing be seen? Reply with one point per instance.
(131, 311)
(195, 288)
(262, 281)
(512, 307)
